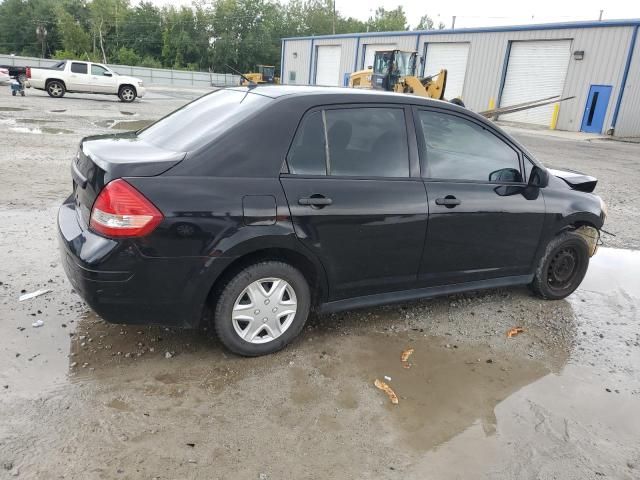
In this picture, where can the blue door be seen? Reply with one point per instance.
(596, 108)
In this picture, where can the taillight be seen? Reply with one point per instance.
(122, 211)
(28, 72)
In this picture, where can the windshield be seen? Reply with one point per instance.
(405, 63)
(381, 62)
(202, 120)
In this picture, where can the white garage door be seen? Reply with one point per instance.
(370, 50)
(328, 65)
(453, 57)
(535, 70)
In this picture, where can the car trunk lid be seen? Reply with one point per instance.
(103, 158)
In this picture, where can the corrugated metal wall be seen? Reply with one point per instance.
(605, 53)
(628, 124)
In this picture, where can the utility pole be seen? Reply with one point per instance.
(333, 19)
(453, 22)
(600, 18)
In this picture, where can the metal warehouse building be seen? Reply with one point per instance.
(596, 62)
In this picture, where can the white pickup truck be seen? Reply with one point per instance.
(84, 77)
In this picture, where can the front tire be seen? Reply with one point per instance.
(127, 94)
(562, 267)
(262, 308)
(56, 89)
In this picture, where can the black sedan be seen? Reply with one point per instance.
(260, 204)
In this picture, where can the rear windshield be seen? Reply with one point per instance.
(202, 120)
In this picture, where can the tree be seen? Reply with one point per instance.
(141, 30)
(388, 20)
(426, 23)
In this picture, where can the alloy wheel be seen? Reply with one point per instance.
(127, 94)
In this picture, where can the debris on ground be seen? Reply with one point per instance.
(37, 323)
(514, 331)
(168, 355)
(35, 294)
(387, 378)
(388, 390)
(404, 358)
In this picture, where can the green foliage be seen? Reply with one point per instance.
(126, 56)
(427, 23)
(388, 20)
(210, 34)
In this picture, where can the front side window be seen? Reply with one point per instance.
(459, 149)
(98, 70)
(361, 142)
(78, 67)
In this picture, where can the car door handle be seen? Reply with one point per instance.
(449, 201)
(315, 201)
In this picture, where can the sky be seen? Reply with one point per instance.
(474, 13)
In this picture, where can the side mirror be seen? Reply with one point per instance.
(538, 177)
(107, 74)
(506, 175)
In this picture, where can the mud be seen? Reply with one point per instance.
(80, 398)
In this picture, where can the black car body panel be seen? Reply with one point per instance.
(233, 198)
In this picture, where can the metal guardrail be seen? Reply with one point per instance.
(150, 76)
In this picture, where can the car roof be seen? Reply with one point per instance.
(359, 94)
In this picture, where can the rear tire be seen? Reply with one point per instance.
(562, 267)
(127, 94)
(262, 308)
(56, 88)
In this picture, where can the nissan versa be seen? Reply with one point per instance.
(260, 204)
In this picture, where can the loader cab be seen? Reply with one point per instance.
(268, 73)
(390, 66)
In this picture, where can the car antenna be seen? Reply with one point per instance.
(250, 82)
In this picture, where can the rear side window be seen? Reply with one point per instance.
(78, 67)
(362, 142)
(307, 154)
(203, 120)
(459, 149)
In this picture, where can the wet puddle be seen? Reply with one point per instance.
(11, 109)
(473, 404)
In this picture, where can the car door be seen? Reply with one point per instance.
(356, 198)
(102, 80)
(79, 79)
(484, 221)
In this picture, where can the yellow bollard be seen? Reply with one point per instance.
(492, 103)
(554, 116)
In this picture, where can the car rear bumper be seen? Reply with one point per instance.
(124, 286)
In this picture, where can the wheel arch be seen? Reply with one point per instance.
(54, 79)
(120, 87)
(312, 270)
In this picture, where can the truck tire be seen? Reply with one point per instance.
(262, 308)
(562, 267)
(56, 89)
(127, 93)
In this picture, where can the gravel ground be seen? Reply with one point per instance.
(80, 398)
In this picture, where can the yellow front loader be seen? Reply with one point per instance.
(395, 71)
(265, 74)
